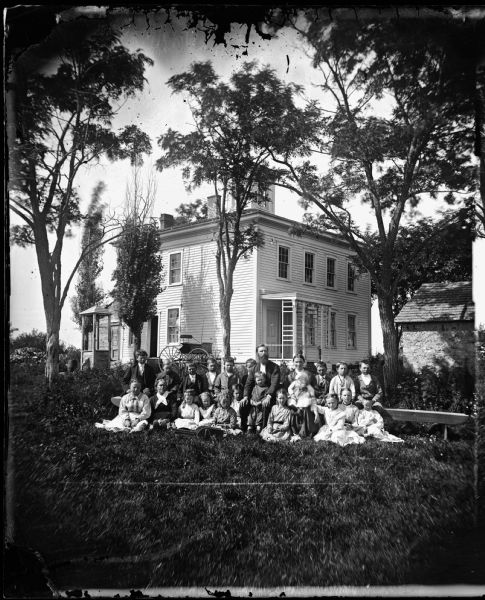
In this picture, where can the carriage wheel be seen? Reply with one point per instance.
(171, 353)
(199, 357)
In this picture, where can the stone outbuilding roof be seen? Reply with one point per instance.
(439, 302)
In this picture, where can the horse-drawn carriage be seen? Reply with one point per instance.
(189, 350)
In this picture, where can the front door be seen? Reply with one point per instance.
(273, 332)
(153, 336)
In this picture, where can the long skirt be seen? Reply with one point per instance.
(276, 436)
(342, 437)
(303, 423)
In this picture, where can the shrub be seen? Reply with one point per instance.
(450, 389)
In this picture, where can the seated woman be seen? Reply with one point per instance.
(368, 387)
(305, 419)
(188, 412)
(334, 428)
(279, 427)
(163, 404)
(133, 413)
(369, 423)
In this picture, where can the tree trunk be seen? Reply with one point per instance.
(391, 345)
(225, 310)
(52, 350)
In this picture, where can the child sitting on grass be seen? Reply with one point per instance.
(369, 423)
(259, 393)
(206, 409)
(334, 428)
(279, 427)
(224, 416)
(348, 408)
(133, 412)
(189, 415)
(302, 402)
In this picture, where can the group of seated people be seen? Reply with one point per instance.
(276, 405)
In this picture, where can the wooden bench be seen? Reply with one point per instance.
(427, 416)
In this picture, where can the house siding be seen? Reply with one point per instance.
(340, 300)
(197, 297)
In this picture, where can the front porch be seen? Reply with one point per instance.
(293, 325)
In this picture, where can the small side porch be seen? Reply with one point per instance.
(293, 324)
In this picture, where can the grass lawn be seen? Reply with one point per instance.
(155, 509)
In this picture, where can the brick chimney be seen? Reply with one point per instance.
(166, 221)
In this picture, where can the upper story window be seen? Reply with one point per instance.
(350, 277)
(309, 267)
(331, 272)
(351, 332)
(175, 268)
(173, 328)
(283, 262)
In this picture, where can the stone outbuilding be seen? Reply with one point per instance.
(438, 327)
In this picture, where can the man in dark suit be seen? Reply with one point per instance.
(192, 381)
(272, 375)
(142, 372)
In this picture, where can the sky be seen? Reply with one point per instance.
(172, 49)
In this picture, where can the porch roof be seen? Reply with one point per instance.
(292, 296)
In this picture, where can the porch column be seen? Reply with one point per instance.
(303, 332)
(294, 326)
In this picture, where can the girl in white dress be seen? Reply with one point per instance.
(189, 415)
(278, 428)
(207, 409)
(349, 409)
(334, 428)
(133, 412)
(369, 423)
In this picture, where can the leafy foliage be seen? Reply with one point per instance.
(88, 293)
(66, 91)
(238, 127)
(191, 212)
(33, 339)
(397, 128)
(138, 275)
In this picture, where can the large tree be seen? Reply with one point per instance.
(398, 129)
(138, 275)
(88, 291)
(65, 93)
(236, 127)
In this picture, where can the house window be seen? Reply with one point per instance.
(350, 277)
(332, 329)
(351, 332)
(331, 272)
(283, 262)
(130, 337)
(309, 267)
(175, 268)
(173, 326)
(310, 327)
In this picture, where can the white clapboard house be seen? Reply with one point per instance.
(296, 294)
